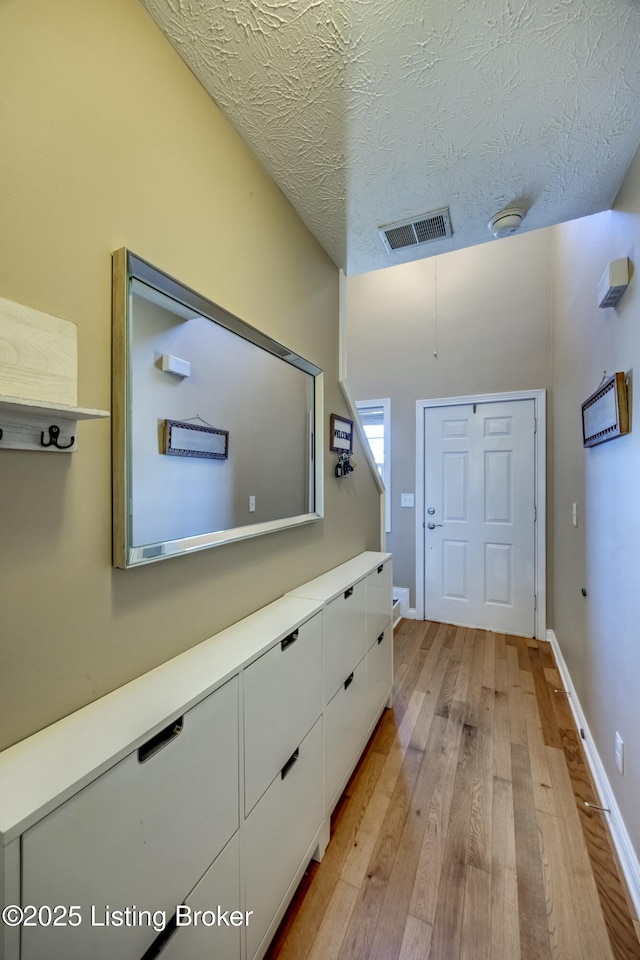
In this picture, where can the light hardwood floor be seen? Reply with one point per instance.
(463, 833)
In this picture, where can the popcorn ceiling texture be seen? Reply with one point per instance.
(370, 111)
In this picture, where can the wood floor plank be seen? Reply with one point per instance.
(489, 663)
(427, 881)
(432, 695)
(517, 722)
(447, 926)
(479, 852)
(505, 929)
(416, 941)
(540, 776)
(476, 922)
(502, 727)
(360, 932)
(330, 935)
(389, 934)
(560, 916)
(534, 934)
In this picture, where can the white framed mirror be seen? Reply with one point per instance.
(217, 428)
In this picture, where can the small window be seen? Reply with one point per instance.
(375, 416)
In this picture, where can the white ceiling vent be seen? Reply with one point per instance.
(422, 229)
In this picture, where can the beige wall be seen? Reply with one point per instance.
(599, 634)
(486, 311)
(108, 141)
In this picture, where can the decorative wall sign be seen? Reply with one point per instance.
(341, 434)
(184, 439)
(605, 414)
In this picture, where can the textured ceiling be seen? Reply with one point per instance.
(366, 112)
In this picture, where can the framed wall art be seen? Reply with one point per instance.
(340, 434)
(605, 414)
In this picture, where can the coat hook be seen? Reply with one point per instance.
(54, 434)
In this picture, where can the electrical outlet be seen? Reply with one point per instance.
(252, 504)
(619, 752)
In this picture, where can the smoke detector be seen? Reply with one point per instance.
(506, 222)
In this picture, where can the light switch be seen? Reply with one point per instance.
(252, 504)
(574, 514)
(406, 500)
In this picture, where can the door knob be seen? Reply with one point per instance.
(431, 525)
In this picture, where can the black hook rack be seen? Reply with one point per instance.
(54, 434)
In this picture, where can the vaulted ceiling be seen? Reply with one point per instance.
(369, 112)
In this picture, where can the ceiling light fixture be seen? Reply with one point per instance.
(506, 222)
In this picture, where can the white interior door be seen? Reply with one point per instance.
(479, 511)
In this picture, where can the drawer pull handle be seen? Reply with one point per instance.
(290, 762)
(381, 638)
(289, 640)
(348, 593)
(161, 940)
(160, 740)
(381, 568)
(348, 681)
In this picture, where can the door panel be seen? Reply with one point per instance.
(480, 534)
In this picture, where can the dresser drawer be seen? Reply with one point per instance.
(346, 722)
(197, 937)
(282, 701)
(380, 670)
(379, 600)
(278, 833)
(141, 834)
(344, 631)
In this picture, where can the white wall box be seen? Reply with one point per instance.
(201, 782)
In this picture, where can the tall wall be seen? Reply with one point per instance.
(598, 634)
(485, 311)
(109, 141)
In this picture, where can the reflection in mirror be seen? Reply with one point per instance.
(216, 425)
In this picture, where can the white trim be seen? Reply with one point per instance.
(346, 392)
(411, 614)
(629, 862)
(540, 581)
(386, 419)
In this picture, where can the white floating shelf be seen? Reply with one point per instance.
(23, 423)
(38, 371)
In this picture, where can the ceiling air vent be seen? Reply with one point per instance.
(422, 229)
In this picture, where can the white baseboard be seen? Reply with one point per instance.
(628, 858)
(411, 614)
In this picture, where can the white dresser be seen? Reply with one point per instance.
(175, 817)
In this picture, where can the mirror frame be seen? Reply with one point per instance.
(128, 268)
